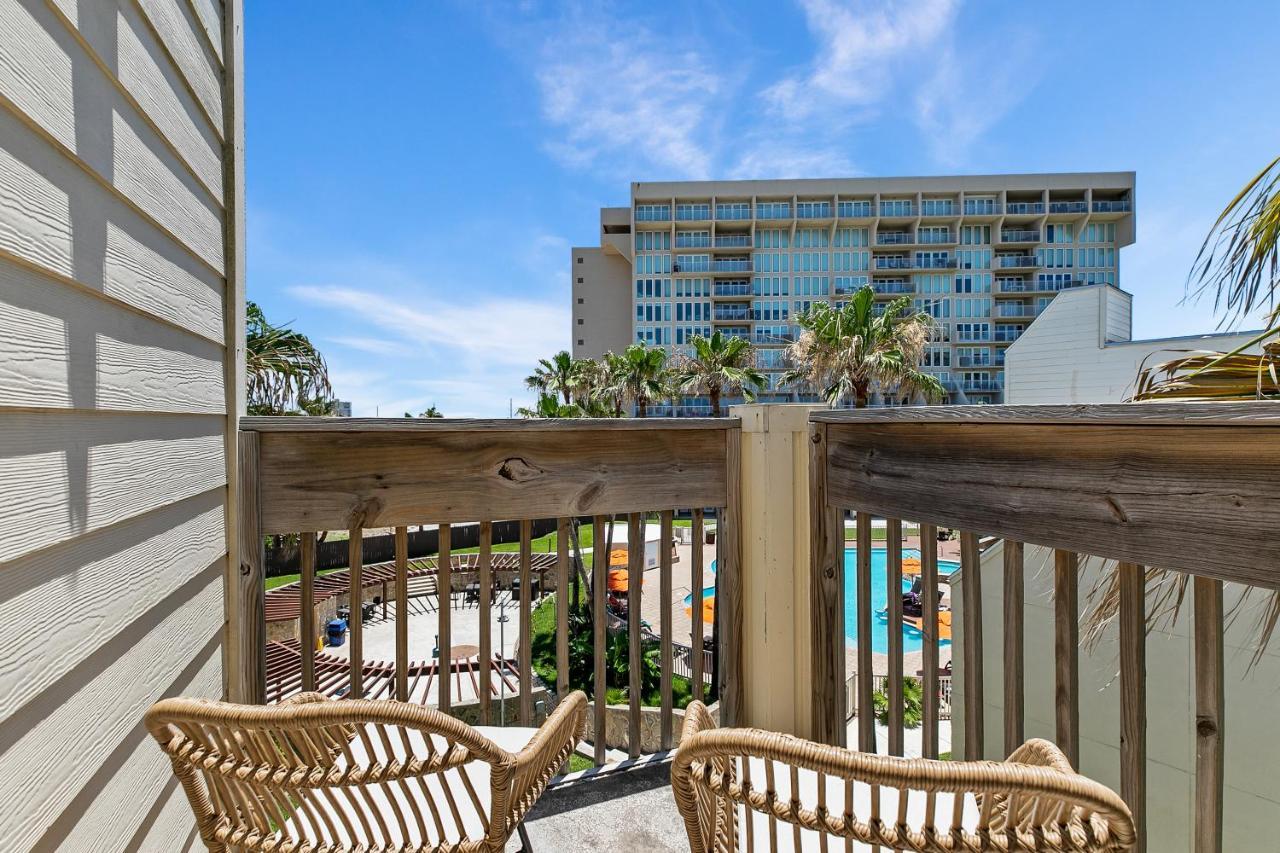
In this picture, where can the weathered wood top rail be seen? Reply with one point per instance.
(324, 474)
(1190, 487)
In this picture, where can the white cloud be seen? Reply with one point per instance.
(948, 109)
(615, 91)
(861, 43)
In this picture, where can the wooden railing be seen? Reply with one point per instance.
(304, 475)
(1192, 488)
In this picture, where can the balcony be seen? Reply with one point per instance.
(1068, 207)
(730, 314)
(733, 212)
(773, 210)
(974, 361)
(892, 288)
(894, 238)
(1015, 286)
(731, 265)
(981, 386)
(897, 209)
(893, 263)
(813, 210)
(653, 214)
(1012, 311)
(1117, 206)
(732, 288)
(927, 237)
(689, 241)
(693, 212)
(733, 241)
(1019, 236)
(931, 263)
(935, 209)
(1024, 208)
(1174, 472)
(982, 207)
(854, 210)
(1006, 335)
(1005, 262)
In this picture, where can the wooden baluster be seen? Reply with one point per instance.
(1210, 713)
(664, 624)
(828, 714)
(526, 613)
(971, 568)
(696, 584)
(307, 610)
(563, 592)
(246, 635)
(729, 615)
(866, 672)
(402, 614)
(599, 618)
(485, 568)
(893, 577)
(444, 594)
(1066, 643)
(1013, 646)
(355, 602)
(635, 580)
(1133, 696)
(929, 656)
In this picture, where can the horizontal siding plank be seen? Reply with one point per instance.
(132, 795)
(1242, 414)
(63, 348)
(54, 216)
(47, 77)
(65, 474)
(1201, 499)
(209, 13)
(74, 596)
(331, 480)
(94, 711)
(120, 40)
(175, 26)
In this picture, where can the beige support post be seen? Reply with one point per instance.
(775, 566)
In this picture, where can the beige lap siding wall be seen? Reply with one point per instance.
(121, 309)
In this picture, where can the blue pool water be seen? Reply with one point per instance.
(911, 639)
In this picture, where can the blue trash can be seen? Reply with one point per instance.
(336, 632)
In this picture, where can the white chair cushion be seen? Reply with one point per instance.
(392, 799)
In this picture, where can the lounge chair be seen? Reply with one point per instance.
(750, 790)
(326, 775)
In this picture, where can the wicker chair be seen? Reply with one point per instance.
(320, 775)
(745, 789)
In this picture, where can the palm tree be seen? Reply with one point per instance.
(719, 363)
(639, 376)
(561, 374)
(549, 406)
(1240, 260)
(285, 371)
(431, 412)
(842, 352)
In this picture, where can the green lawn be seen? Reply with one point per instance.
(281, 580)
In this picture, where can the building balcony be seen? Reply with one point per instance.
(855, 210)
(927, 263)
(882, 263)
(813, 210)
(1116, 206)
(731, 265)
(892, 288)
(687, 266)
(689, 242)
(1008, 311)
(974, 207)
(894, 238)
(897, 210)
(653, 215)
(1024, 208)
(730, 314)
(693, 213)
(1005, 262)
(1006, 335)
(733, 241)
(1019, 236)
(972, 361)
(732, 288)
(733, 213)
(981, 386)
(1068, 207)
(935, 211)
(933, 238)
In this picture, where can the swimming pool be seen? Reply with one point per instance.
(911, 639)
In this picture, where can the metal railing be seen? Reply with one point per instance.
(1068, 207)
(724, 288)
(731, 265)
(1020, 236)
(1006, 261)
(732, 241)
(1120, 206)
(1024, 207)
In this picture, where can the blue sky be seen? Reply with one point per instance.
(418, 171)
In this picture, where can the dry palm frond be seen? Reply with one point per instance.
(1205, 375)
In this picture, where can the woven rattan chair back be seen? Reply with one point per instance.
(745, 789)
(323, 775)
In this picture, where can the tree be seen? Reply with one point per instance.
(719, 363)
(286, 374)
(549, 406)
(561, 374)
(639, 376)
(843, 352)
(1240, 260)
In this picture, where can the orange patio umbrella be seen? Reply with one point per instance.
(618, 557)
(618, 579)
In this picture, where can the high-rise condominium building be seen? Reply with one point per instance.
(982, 254)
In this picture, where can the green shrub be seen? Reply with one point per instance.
(912, 704)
